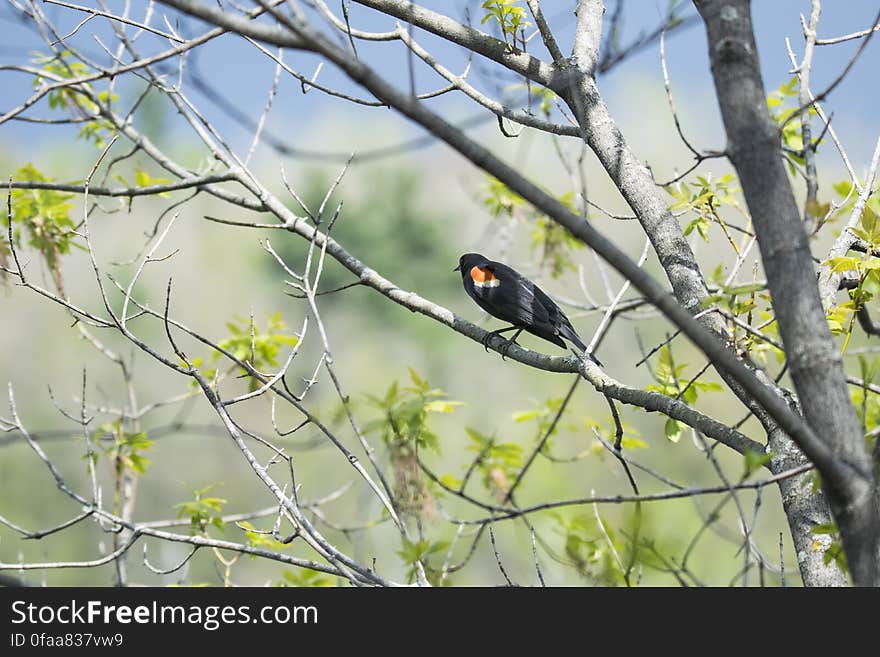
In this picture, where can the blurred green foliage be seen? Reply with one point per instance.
(203, 510)
(553, 243)
(248, 343)
(43, 215)
(396, 220)
(388, 222)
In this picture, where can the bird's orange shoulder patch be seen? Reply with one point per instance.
(482, 277)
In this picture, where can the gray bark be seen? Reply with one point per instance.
(815, 364)
(803, 508)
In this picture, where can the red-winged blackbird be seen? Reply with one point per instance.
(511, 297)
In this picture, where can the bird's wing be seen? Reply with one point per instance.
(536, 308)
(559, 319)
(553, 311)
(520, 298)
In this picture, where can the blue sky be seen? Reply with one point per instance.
(243, 75)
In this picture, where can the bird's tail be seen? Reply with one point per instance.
(568, 332)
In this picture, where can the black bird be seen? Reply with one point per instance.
(511, 297)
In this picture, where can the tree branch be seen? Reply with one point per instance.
(665, 302)
(814, 361)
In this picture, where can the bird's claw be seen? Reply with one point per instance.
(502, 348)
(505, 348)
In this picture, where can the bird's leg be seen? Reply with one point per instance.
(508, 343)
(488, 337)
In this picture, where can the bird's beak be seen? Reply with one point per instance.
(457, 268)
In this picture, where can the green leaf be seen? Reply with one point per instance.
(839, 317)
(480, 440)
(510, 18)
(818, 210)
(123, 447)
(137, 463)
(420, 383)
(411, 552)
(753, 461)
(690, 395)
(525, 416)
(629, 442)
(701, 224)
(870, 225)
(840, 264)
(789, 88)
(143, 179)
(591, 550)
(202, 510)
(673, 430)
(405, 413)
(824, 528)
(450, 481)
(266, 344)
(869, 370)
(306, 578)
(556, 244)
(712, 299)
(442, 406)
(670, 378)
(390, 395)
(746, 288)
(844, 189)
(499, 199)
(45, 216)
(260, 539)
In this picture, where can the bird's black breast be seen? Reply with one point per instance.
(491, 299)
